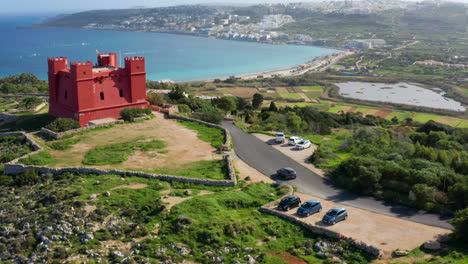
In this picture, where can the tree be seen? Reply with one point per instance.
(178, 92)
(257, 100)
(394, 120)
(226, 103)
(155, 99)
(273, 107)
(460, 222)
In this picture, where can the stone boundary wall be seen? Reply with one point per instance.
(227, 135)
(59, 135)
(376, 252)
(12, 168)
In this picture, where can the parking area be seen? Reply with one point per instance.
(300, 156)
(384, 232)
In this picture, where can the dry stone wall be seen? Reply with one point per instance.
(59, 135)
(14, 168)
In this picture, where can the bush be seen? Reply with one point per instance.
(155, 99)
(183, 108)
(28, 177)
(129, 114)
(214, 117)
(460, 222)
(63, 124)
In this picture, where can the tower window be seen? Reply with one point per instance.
(102, 96)
(121, 93)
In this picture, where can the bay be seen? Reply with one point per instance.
(168, 56)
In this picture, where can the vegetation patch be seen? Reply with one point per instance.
(212, 135)
(13, 147)
(118, 153)
(63, 144)
(210, 169)
(40, 159)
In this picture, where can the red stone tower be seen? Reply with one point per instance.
(85, 92)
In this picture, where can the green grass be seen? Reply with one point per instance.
(313, 95)
(208, 134)
(63, 144)
(118, 153)
(210, 169)
(313, 88)
(330, 144)
(232, 218)
(294, 96)
(41, 159)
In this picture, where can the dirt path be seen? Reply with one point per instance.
(175, 200)
(289, 258)
(301, 156)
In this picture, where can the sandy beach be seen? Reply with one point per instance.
(318, 64)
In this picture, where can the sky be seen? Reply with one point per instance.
(13, 7)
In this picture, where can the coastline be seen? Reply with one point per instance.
(317, 64)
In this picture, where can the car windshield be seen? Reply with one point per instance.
(286, 200)
(280, 135)
(332, 212)
(309, 205)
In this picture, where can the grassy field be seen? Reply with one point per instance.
(211, 169)
(120, 152)
(158, 145)
(214, 136)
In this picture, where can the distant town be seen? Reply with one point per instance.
(264, 25)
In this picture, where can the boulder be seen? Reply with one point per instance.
(400, 253)
(432, 245)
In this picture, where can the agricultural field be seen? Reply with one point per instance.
(158, 145)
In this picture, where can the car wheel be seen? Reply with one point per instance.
(287, 208)
(346, 217)
(333, 222)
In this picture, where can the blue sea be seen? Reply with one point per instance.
(174, 57)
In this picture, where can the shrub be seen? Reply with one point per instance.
(155, 99)
(460, 222)
(129, 114)
(28, 177)
(183, 108)
(214, 117)
(63, 124)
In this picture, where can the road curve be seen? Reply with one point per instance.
(267, 160)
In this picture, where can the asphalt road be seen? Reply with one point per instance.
(267, 160)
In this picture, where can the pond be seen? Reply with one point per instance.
(399, 93)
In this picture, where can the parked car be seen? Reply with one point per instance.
(287, 173)
(309, 207)
(303, 144)
(335, 215)
(294, 140)
(280, 137)
(289, 202)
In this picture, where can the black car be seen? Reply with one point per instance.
(286, 173)
(289, 202)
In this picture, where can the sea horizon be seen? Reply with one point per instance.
(176, 57)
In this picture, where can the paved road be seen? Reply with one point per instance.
(267, 160)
